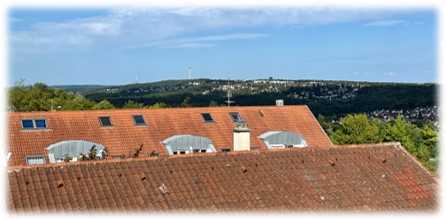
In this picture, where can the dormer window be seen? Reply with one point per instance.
(35, 160)
(33, 123)
(105, 121)
(187, 144)
(282, 139)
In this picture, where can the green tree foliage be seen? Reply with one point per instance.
(40, 97)
(213, 103)
(104, 104)
(133, 104)
(421, 142)
(186, 102)
(357, 128)
(158, 105)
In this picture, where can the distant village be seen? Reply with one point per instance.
(315, 90)
(429, 114)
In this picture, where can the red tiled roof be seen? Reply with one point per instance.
(367, 178)
(123, 137)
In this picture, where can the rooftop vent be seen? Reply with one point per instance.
(163, 189)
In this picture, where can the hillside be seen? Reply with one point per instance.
(332, 98)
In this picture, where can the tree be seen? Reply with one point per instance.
(186, 102)
(104, 104)
(213, 103)
(40, 97)
(421, 142)
(158, 105)
(78, 103)
(357, 129)
(133, 104)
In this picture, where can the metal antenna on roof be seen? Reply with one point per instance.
(228, 95)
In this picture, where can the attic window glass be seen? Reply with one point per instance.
(35, 160)
(34, 123)
(105, 121)
(207, 117)
(27, 124)
(139, 120)
(235, 116)
(40, 123)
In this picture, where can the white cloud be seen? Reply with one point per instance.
(130, 27)
(386, 23)
(390, 73)
(189, 45)
(197, 42)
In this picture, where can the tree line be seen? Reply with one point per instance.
(420, 141)
(40, 97)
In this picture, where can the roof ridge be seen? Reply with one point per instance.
(210, 154)
(163, 109)
(392, 143)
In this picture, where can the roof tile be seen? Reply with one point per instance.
(124, 136)
(266, 180)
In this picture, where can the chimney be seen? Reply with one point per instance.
(279, 102)
(241, 137)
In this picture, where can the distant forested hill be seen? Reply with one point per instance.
(323, 97)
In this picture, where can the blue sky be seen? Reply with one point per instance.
(125, 45)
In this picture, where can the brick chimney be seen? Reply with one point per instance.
(241, 137)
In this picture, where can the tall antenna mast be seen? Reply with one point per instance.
(189, 73)
(228, 95)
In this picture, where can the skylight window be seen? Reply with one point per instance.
(40, 123)
(34, 123)
(105, 121)
(235, 116)
(29, 124)
(139, 120)
(207, 117)
(35, 160)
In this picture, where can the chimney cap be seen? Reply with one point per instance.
(241, 127)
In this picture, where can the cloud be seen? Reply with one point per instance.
(189, 45)
(386, 23)
(130, 27)
(197, 42)
(390, 73)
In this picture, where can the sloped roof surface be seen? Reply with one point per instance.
(123, 137)
(372, 177)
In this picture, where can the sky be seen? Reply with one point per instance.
(114, 46)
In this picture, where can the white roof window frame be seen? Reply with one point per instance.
(35, 158)
(189, 148)
(269, 134)
(33, 120)
(77, 147)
